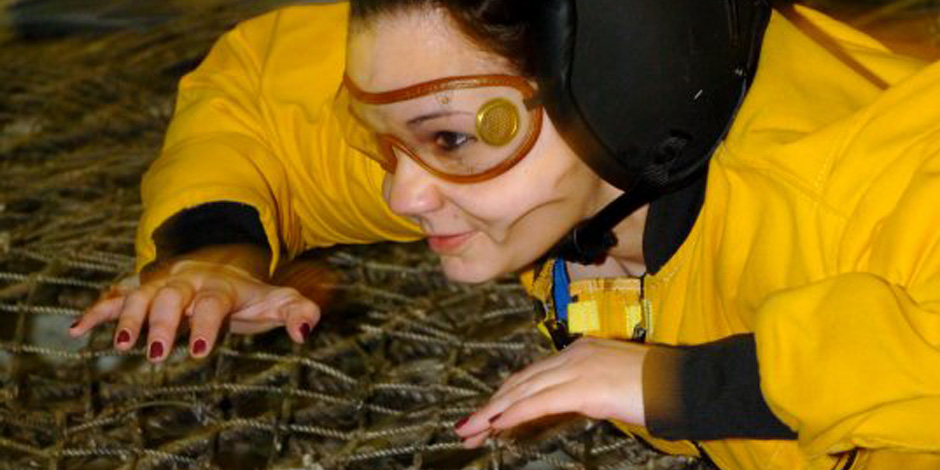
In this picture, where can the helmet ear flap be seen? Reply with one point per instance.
(553, 41)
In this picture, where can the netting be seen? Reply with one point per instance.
(400, 356)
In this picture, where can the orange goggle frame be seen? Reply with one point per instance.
(387, 143)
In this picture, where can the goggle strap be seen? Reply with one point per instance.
(532, 103)
(435, 86)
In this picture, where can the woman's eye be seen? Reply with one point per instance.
(450, 141)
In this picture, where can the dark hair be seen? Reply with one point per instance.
(498, 26)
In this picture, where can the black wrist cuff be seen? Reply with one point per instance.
(214, 223)
(709, 391)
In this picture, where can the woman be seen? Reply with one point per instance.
(801, 264)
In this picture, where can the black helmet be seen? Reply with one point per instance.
(643, 91)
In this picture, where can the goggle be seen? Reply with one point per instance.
(462, 129)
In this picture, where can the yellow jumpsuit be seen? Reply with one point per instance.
(819, 234)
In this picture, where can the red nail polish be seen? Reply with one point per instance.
(461, 422)
(495, 417)
(199, 347)
(305, 330)
(156, 350)
(124, 337)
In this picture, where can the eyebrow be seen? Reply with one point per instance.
(427, 117)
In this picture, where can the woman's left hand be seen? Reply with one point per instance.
(598, 378)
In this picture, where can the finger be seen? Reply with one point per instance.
(209, 309)
(246, 327)
(476, 440)
(579, 349)
(132, 315)
(128, 284)
(165, 314)
(531, 380)
(552, 362)
(481, 420)
(266, 313)
(564, 397)
(301, 316)
(268, 306)
(110, 293)
(102, 311)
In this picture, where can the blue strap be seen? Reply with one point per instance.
(560, 293)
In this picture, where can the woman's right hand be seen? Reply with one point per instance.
(205, 291)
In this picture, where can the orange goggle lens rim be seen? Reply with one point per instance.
(496, 123)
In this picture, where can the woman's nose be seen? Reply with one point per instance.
(411, 190)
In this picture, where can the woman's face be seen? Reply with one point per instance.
(480, 230)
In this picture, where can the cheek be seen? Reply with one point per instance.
(505, 207)
(549, 175)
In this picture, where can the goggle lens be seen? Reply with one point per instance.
(464, 129)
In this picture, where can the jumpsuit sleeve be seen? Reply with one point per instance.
(853, 360)
(254, 125)
(216, 148)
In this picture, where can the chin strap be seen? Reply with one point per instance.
(589, 241)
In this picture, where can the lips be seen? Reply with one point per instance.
(448, 244)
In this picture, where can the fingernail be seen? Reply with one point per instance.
(75, 323)
(199, 347)
(305, 330)
(124, 337)
(495, 417)
(156, 350)
(460, 422)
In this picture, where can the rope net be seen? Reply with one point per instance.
(400, 355)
